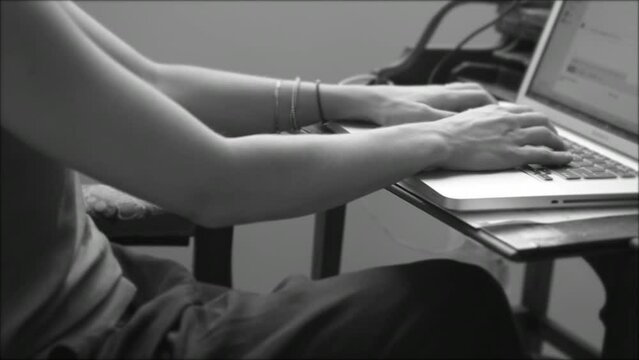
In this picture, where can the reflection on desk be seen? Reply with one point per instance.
(480, 219)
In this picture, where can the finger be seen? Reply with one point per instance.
(477, 87)
(464, 86)
(436, 114)
(514, 108)
(543, 156)
(464, 99)
(540, 136)
(532, 119)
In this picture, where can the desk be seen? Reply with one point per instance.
(614, 261)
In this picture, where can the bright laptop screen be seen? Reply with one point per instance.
(589, 66)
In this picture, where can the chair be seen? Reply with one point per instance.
(130, 221)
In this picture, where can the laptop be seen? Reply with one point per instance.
(583, 75)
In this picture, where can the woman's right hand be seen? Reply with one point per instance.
(498, 136)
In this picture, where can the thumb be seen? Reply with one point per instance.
(437, 114)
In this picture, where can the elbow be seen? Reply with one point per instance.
(213, 208)
(215, 196)
(214, 214)
(208, 216)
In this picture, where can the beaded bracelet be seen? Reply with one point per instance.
(294, 95)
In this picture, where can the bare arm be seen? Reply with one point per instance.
(237, 104)
(232, 104)
(96, 116)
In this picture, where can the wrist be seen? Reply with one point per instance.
(432, 144)
(349, 102)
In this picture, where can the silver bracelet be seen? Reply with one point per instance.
(294, 95)
(276, 113)
(318, 98)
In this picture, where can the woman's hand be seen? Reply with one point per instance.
(408, 104)
(495, 137)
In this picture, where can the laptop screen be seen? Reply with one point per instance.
(589, 66)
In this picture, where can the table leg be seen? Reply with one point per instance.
(535, 301)
(212, 253)
(327, 244)
(618, 273)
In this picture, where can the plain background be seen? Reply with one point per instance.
(330, 41)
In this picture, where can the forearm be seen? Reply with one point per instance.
(230, 103)
(236, 104)
(276, 177)
(116, 128)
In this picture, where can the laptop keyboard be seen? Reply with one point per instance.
(586, 165)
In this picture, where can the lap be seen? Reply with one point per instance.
(429, 308)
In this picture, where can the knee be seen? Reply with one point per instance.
(464, 275)
(443, 279)
(447, 271)
(440, 282)
(449, 305)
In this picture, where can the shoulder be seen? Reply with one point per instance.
(26, 21)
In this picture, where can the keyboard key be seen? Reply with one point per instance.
(586, 164)
(579, 164)
(602, 175)
(623, 173)
(583, 172)
(534, 170)
(596, 169)
(567, 174)
(624, 168)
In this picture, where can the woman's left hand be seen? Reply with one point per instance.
(406, 104)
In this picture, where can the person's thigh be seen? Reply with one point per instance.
(434, 308)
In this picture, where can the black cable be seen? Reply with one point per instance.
(443, 60)
(383, 75)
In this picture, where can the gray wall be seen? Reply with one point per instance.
(330, 41)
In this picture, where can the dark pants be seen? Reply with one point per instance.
(433, 308)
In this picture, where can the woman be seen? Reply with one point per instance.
(75, 97)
